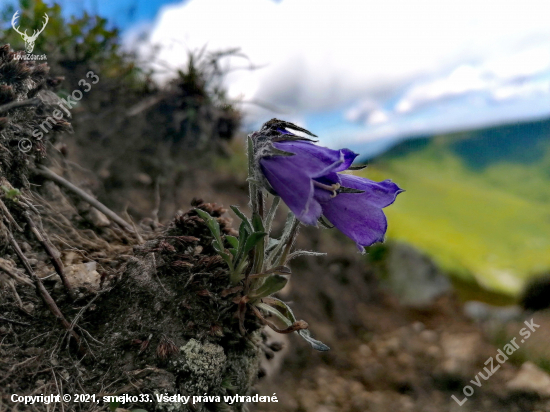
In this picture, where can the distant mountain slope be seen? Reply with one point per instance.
(516, 143)
(478, 202)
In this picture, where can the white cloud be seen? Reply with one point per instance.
(494, 75)
(360, 110)
(463, 79)
(377, 117)
(522, 90)
(325, 55)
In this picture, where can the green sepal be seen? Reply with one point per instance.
(291, 138)
(325, 223)
(276, 152)
(349, 190)
(287, 125)
(357, 167)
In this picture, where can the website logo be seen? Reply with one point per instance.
(29, 40)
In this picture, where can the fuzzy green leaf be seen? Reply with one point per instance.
(214, 227)
(299, 253)
(212, 223)
(271, 285)
(257, 223)
(315, 344)
(275, 312)
(282, 305)
(243, 217)
(243, 236)
(287, 313)
(233, 241)
(252, 240)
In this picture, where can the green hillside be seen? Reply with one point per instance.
(478, 202)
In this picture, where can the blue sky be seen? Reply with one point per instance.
(122, 13)
(360, 74)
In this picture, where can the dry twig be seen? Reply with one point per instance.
(54, 258)
(5, 268)
(30, 102)
(47, 173)
(8, 216)
(16, 322)
(44, 294)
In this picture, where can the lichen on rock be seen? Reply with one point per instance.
(201, 367)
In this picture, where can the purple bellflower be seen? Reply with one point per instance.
(307, 179)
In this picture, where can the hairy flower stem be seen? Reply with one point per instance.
(257, 206)
(259, 250)
(252, 186)
(260, 202)
(271, 214)
(289, 243)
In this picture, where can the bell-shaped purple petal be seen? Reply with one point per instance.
(291, 176)
(316, 160)
(380, 194)
(359, 215)
(307, 183)
(356, 218)
(293, 185)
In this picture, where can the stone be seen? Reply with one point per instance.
(460, 352)
(531, 379)
(413, 277)
(83, 275)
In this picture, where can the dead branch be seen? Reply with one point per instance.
(13, 274)
(136, 232)
(9, 216)
(30, 102)
(47, 173)
(16, 322)
(54, 258)
(81, 311)
(44, 294)
(16, 295)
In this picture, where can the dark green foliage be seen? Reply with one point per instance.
(69, 43)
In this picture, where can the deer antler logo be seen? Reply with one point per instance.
(29, 40)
